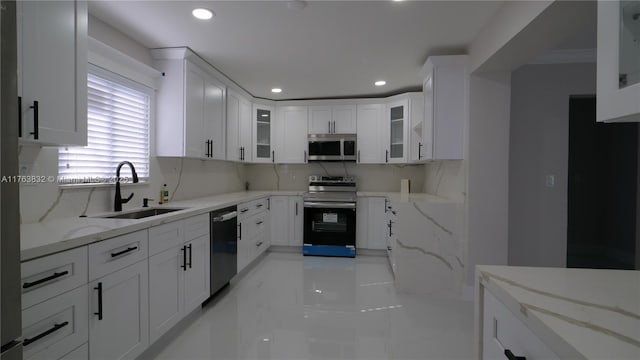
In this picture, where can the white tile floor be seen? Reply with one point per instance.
(294, 307)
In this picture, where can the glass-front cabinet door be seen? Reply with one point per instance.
(618, 97)
(263, 128)
(397, 115)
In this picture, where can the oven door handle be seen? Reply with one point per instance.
(328, 205)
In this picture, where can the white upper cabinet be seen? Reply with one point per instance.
(52, 72)
(238, 128)
(320, 119)
(263, 130)
(445, 90)
(618, 79)
(337, 119)
(396, 126)
(191, 108)
(370, 119)
(291, 139)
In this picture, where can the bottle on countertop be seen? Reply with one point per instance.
(164, 194)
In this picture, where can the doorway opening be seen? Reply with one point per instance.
(602, 190)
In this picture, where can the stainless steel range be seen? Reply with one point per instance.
(330, 216)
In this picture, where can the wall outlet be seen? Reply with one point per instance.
(550, 181)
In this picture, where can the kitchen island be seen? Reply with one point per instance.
(557, 313)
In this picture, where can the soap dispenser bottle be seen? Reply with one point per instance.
(164, 194)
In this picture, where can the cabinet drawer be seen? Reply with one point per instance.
(503, 330)
(57, 326)
(196, 227)
(53, 275)
(81, 353)
(165, 236)
(116, 253)
(254, 225)
(251, 208)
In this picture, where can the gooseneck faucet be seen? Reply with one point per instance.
(118, 201)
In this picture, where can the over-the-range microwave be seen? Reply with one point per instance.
(332, 147)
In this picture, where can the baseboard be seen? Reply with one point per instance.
(285, 249)
(156, 348)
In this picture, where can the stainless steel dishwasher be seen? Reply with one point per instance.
(224, 247)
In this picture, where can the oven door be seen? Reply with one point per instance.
(330, 224)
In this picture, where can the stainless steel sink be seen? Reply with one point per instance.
(143, 213)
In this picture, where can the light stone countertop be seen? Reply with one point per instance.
(45, 238)
(406, 197)
(578, 313)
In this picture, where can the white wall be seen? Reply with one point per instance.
(369, 177)
(488, 171)
(539, 146)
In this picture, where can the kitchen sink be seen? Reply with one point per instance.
(143, 213)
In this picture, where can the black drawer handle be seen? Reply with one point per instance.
(240, 231)
(35, 120)
(190, 255)
(389, 248)
(258, 206)
(510, 355)
(55, 328)
(244, 211)
(99, 313)
(19, 116)
(258, 244)
(259, 222)
(184, 258)
(130, 249)
(44, 280)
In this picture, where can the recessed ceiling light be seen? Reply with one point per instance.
(397, 0)
(276, 90)
(202, 14)
(380, 83)
(264, 115)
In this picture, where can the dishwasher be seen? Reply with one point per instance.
(224, 247)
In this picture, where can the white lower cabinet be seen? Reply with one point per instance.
(55, 327)
(119, 315)
(287, 220)
(390, 235)
(254, 230)
(179, 278)
(502, 331)
(371, 220)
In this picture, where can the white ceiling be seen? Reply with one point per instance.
(327, 49)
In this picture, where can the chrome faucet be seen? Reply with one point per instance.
(118, 201)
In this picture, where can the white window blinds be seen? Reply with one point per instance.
(118, 115)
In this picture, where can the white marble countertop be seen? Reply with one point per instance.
(406, 197)
(578, 313)
(45, 238)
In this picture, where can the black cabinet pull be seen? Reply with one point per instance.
(305, 156)
(99, 313)
(44, 280)
(510, 355)
(244, 211)
(127, 250)
(55, 328)
(389, 248)
(269, 204)
(296, 208)
(190, 255)
(259, 222)
(419, 150)
(211, 150)
(329, 123)
(273, 156)
(358, 156)
(240, 231)
(259, 206)
(386, 156)
(35, 120)
(259, 243)
(241, 153)
(19, 116)
(390, 222)
(184, 258)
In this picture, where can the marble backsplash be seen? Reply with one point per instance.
(446, 178)
(384, 178)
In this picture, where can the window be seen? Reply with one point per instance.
(118, 112)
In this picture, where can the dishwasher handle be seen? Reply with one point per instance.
(225, 217)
